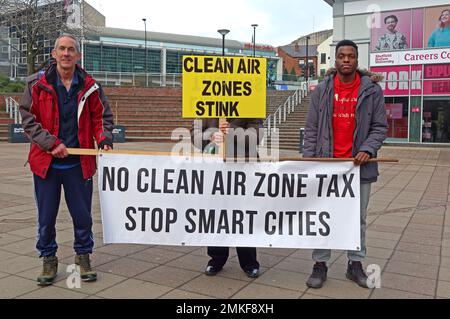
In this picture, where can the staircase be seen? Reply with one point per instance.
(4, 128)
(5, 119)
(151, 114)
(289, 131)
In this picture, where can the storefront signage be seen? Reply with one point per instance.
(435, 87)
(259, 47)
(400, 80)
(434, 56)
(415, 80)
(440, 71)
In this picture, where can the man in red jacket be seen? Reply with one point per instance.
(62, 108)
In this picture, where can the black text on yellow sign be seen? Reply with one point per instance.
(218, 87)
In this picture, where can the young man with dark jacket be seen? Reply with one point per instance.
(346, 119)
(62, 108)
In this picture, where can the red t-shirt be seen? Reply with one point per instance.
(344, 123)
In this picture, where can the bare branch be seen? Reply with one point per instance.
(36, 21)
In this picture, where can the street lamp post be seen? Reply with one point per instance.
(145, 43)
(223, 32)
(254, 39)
(307, 59)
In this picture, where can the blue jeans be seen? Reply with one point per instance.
(323, 255)
(78, 194)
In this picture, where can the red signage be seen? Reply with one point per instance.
(394, 111)
(437, 71)
(435, 87)
(259, 47)
(400, 80)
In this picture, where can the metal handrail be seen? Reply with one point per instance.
(284, 109)
(12, 108)
(138, 79)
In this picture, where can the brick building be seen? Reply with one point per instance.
(294, 57)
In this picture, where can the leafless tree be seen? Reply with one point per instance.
(37, 20)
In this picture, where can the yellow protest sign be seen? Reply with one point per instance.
(219, 87)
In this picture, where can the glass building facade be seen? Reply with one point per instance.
(409, 44)
(114, 54)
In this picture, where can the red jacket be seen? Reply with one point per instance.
(40, 119)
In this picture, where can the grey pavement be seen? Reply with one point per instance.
(408, 237)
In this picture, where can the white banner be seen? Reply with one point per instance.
(170, 200)
(432, 56)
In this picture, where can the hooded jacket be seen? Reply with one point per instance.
(371, 122)
(40, 119)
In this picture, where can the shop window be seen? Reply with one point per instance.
(397, 116)
(436, 120)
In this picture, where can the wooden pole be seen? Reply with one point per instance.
(223, 147)
(94, 152)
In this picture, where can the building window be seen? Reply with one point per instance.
(138, 60)
(109, 59)
(397, 115)
(5, 49)
(436, 120)
(92, 58)
(125, 60)
(174, 61)
(154, 61)
(24, 46)
(323, 58)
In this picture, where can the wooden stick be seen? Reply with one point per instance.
(223, 147)
(94, 152)
(316, 159)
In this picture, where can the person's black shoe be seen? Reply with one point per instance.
(356, 273)
(252, 272)
(212, 270)
(318, 276)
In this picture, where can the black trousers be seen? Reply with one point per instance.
(246, 257)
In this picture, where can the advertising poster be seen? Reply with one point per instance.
(392, 31)
(437, 27)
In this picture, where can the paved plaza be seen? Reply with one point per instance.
(408, 237)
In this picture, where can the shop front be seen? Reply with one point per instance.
(411, 49)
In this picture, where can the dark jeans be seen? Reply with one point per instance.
(78, 195)
(246, 256)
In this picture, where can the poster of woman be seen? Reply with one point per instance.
(437, 26)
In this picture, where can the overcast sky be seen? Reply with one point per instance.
(280, 21)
